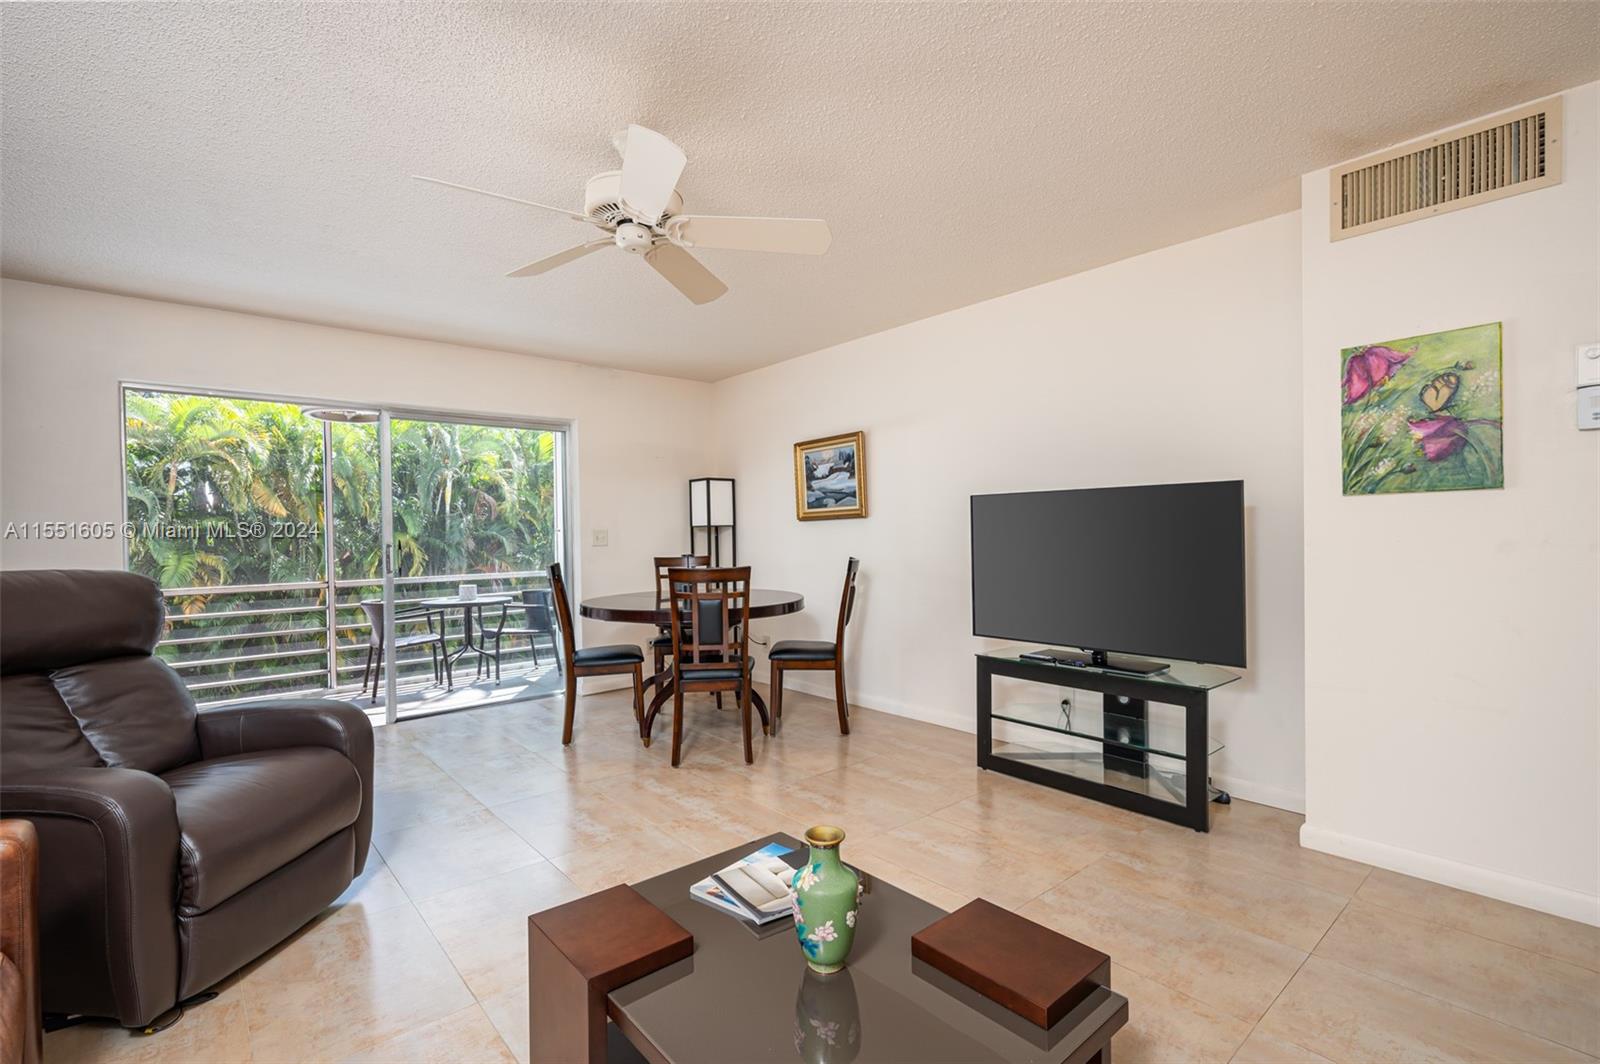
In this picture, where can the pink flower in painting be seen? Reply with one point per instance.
(1439, 437)
(1368, 368)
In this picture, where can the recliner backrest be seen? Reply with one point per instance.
(79, 685)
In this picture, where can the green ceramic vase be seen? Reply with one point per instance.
(827, 896)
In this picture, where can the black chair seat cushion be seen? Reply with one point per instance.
(618, 654)
(802, 650)
(245, 816)
(662, 642)
(729, 672)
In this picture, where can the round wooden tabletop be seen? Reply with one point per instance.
(642, 607)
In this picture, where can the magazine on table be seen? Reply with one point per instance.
(754, 888)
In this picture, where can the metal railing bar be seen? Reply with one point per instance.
(175, 618)
(195, 663)
(224, 637)
(240, 681)
(241, 589)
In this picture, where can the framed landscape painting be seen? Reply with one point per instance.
(1423, 413)
(830, 477)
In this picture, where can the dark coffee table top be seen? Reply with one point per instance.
(747, 995)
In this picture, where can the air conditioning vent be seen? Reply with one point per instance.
(1517, 151)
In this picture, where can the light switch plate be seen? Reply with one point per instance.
(600, 538)
(1588, 364)
(1589, 407)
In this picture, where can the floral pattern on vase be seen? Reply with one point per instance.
(827, 897)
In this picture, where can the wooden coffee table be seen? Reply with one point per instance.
(746, 995)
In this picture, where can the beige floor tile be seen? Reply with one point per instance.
(508, 1011)
(1565, 940)
(1266, 839)
(973, 863)
(483, 926)
(465, 1037)
(1166, 1026)
(434, 857)
(578, 816)
(627, 858)
(1538, 994)
(1217, 963)
(1233, 891)
(1343, 1015)
(1263, 1048)
(508, 776)
(215, 1032)
(409, 788)
(933, 893)
(375, 889)
(345, 985)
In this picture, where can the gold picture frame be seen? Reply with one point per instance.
(830, 477)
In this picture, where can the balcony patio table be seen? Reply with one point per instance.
(467, 606)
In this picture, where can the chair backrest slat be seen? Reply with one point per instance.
(713, 608)
(558, 591)
(675, 561)
(847, 603)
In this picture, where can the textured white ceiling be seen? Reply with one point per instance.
(256, 156)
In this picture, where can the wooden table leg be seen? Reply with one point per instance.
(580, 952)
(664, 687)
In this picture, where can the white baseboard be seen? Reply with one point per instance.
(945, 719)
(1261, 793)
(1531, 894)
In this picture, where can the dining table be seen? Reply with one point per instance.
(467, 607)
(646, 607)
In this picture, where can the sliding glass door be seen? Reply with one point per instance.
(311, 549)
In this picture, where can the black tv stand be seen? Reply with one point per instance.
(1121, 748)
(1098, 659)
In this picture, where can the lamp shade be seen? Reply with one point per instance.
(711, 502)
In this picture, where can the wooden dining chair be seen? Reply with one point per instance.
(613, 660)
(816, 654)
(661, 645)
(711, 643)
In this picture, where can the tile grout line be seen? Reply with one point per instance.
(1299, 967)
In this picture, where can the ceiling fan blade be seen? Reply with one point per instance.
(497, 195)
(795, 236)
(550, 262)
(684, 272)
(651, 166)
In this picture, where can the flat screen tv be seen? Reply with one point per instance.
(1155, 570)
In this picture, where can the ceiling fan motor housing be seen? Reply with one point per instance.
(602, 202)
(634, 238)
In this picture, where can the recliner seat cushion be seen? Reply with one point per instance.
(801, 650)
(243, 817)
(619, 654)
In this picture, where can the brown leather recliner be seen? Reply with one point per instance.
(175, 844)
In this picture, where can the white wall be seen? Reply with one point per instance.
(1452, 639)
(64, 353)
(1176, 365)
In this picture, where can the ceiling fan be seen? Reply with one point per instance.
(641, 212)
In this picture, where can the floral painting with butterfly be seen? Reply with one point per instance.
(1423, 413)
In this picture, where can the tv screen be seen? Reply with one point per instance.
(1153, 570)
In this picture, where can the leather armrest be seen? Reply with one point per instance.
(255, 726)
(108, 846)
(21, 1032)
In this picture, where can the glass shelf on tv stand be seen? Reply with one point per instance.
(1187, 675)
(1154, 767)
(1097, 725)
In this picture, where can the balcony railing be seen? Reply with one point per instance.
(263, 640)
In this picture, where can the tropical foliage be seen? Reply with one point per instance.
(226, 492)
